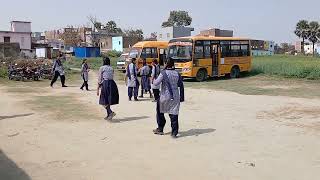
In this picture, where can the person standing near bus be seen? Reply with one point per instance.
(109, 94)
(172, 93)
(58, 70)
(132, 80)
(85, 74)
(145, 80)
(154, 75)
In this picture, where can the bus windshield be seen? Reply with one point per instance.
(180, 51)
(134, 53)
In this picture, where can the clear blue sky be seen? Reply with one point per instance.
(268, 19)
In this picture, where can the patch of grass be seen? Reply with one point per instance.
(3, 72)
(288, 66)
(94, 63)
(262, 85)
(61, 107)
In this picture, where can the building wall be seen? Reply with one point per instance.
(117, 43)
(9, 50)
(168, 33)
(24, 39)
(216, 32)
(262, 48)
(20, 26)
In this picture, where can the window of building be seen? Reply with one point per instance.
(160, 35)
(168, 35)
(6, 39)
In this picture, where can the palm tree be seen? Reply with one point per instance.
(314, 33)
(302, 30)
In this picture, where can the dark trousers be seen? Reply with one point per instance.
(161, 120)
(156, 93)
(133, 91)
(56, 75)
(85, 84)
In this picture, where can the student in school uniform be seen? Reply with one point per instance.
(172, 93)
(107, 88)
(145, 80)
(58, 70)
(132, 80)
(154, 75)
(85, 74)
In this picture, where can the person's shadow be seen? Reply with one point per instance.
(196, 132)
(15, 116)
(128, 119)
(10, 171)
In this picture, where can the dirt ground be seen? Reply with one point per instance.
(54, 134)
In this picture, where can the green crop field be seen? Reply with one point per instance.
(287, 66)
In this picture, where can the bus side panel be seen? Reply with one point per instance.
(203, 63)
(244, 64)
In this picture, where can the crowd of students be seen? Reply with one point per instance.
(165, 86)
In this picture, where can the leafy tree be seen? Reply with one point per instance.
(314, 33)
(112, 27)
(302, 31)
(178, 18)
(134, 33)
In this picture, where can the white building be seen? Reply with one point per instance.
(20, 33)
(168, 33)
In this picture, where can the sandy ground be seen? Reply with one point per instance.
(223, 135)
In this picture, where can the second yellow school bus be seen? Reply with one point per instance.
(207, 56)
(149, 50)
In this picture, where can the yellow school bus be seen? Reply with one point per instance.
(149, 50)
(207, 56)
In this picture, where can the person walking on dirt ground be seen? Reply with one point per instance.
(58, 70)
(85, 74)
(109, 94)
(145, 80)
(132, 80)
(154, 75)
(172, 93)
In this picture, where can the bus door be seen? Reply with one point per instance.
(162, 56)
(215, 59)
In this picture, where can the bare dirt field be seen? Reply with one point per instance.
(56, 134)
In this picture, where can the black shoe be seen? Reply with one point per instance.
(158, 132)
(80, 88)
(64, 86)
(140, 96)
(130, 99)
(136, 99)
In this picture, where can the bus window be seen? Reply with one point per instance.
(198, 50)
(225, 49)
(207, 49)
(154, 52)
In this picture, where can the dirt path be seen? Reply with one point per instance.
(223, 136)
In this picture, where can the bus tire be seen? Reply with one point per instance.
(235, 72)
(201, 75)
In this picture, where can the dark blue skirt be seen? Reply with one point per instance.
(109, 93)
(145, 83)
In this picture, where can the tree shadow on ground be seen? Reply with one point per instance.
(128, 119)
(15, 116)
(10, 171)
(195, 132)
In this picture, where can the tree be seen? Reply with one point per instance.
(302, 31)
(134, 33)
(314, 34)
(95, 23)
(111, 27)
(71, 36)
(178, 18)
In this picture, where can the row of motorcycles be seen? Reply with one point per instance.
(27, 73)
